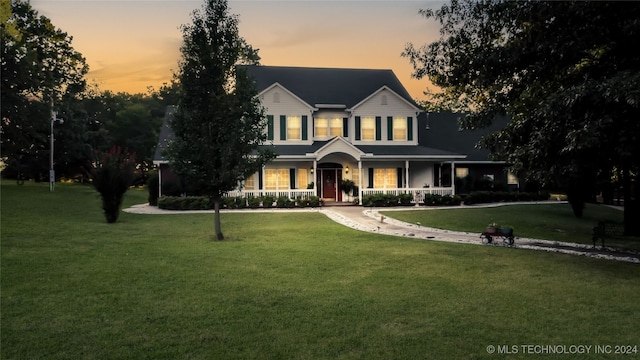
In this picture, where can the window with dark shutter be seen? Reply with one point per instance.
(283, 127)
(269, 127)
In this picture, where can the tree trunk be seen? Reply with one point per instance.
(216, 206)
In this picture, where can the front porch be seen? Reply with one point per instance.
(417, 194)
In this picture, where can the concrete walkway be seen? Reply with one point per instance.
(370, 220)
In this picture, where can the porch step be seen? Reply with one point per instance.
(338, 203)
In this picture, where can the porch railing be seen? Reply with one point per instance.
(418, 193)
(291, 194)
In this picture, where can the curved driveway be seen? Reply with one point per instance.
(370, 220)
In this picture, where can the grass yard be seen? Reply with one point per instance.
(540, 221)
(284, 286)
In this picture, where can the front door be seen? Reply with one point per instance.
(329, 184)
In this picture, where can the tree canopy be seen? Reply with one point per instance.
(219, 123)
(40, 69)
(567, 73)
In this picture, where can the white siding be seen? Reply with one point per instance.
(396, 106)
(420, 173)
(286, 105)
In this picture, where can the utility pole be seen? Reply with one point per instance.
(52, 172)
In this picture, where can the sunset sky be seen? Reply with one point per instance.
(131, 45)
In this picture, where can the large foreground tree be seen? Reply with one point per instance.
(568, 75)
(40, 70)
(219, 124)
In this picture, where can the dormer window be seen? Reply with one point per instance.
(335, 127)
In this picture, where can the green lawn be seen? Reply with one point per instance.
(283, 286)
(540, 221)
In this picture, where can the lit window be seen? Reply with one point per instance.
(399, 128)
(336, 127)
(302, 179)
(385, 178)
(294, 127)
(512, 179)
(270, 179)
(462, 172)
(368, 128)
(355, 176)
(322, 126)
(250, 183)
(283, 179)
(276, 179)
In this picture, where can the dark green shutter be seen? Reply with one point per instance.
(410, 128)
(389, 127)
(345, 127)
(305, 136)
(358, 129)
(260, 179)
(370, 178)
(399, 178)
(378, 128)
(269, 127)
(292, 178)
(283, 127)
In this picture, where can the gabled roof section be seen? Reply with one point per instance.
(328, 85)
(339, 145)
(278, 85)
(385, 87)
(166, 135)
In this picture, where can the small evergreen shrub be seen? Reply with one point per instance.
(315, 201)
(405, 199)
(481, 197)
(254, 202)
(267, 201)
(284, 202)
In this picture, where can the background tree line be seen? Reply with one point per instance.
(42, 72)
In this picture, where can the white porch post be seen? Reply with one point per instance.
(360, 181)
(315, 176)
(453, 177)
(406, 175)
(264, 180)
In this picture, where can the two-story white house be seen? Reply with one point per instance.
(330, 124)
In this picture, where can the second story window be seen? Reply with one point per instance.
(368, 128)
(336, 127)
(321, 127)
(294, 128)
(399, 128)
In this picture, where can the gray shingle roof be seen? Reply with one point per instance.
(328, 85)
(444, 133)
(166, 134)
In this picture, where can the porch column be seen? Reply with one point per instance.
(360, 179)
(406, 175)
(315, 177)
(453, 177)
(264, 180)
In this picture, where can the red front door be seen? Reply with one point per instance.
(329, 184)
